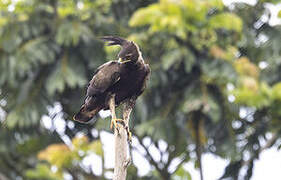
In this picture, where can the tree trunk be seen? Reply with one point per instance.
(120, 169)
(121, 144)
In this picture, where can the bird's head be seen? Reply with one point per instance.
(129, 51)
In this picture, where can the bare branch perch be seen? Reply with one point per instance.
(121, 145)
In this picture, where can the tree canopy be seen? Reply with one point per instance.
(215, 85)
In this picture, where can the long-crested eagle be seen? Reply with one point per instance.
(116, 82)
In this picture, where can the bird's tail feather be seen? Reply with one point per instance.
(82, 117)
(114, 40)
(87, 112)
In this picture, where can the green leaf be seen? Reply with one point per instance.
(271, 1)
(70, 33)
(276, 91)
(181, 174)
(9, 38)
(145, 16)
(33, 53)
(218, 71)
(175, 56)
(65, 74)
(192, 105)
(59, 155)
(213, 109)
(163, 16)
(228, 21)
(170, 58)
(96, 146)
(216, 3)
(259, 97)
(42, 171)
(12, 119)
(195, 101)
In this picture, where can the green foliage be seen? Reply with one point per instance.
(221, 72)
(64, 158)
(228, 21)
(276, 91)
(38, 51)
(252, 94)
(43, 172)
(181, 174)
(271, 1)
(175, 56)
(186, 16)
(211, 38)
(65, 74)
(69, 33)
(58, 155)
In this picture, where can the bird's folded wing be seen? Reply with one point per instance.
(105, 76)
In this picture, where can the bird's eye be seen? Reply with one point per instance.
(128, 56)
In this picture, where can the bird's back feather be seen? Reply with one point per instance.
(104, 78)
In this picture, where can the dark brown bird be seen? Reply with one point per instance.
(116, 82)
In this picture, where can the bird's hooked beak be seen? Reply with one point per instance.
(123, 60)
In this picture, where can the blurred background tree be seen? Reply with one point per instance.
(214, 88)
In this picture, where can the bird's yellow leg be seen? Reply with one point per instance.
(114, 123)
(129, 134)
(114, 120)
(127, 109)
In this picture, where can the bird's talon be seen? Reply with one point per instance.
(115, 124)
(127, 162)
(129, 134)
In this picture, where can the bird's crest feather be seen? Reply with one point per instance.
(114, 40)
